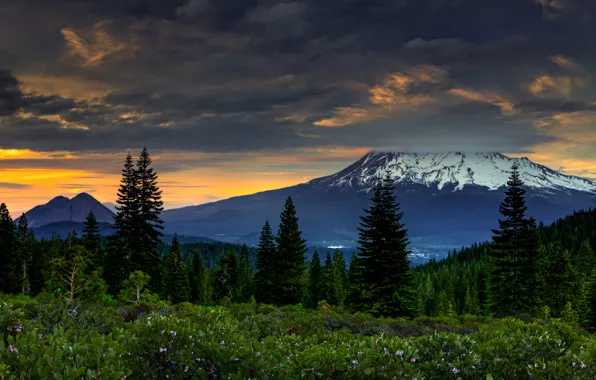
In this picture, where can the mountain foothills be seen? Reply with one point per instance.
(131, 305)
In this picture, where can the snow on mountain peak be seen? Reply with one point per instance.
(458, 169)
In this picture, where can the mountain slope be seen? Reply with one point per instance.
(61, 209)
(447, 198)
(490, 170)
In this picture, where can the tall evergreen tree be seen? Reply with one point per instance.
(127, 210)
(22, 256)
(265, 275)
(328, 281)
(315, 281)
(245, 280)
(148, 225)
(562, 280)
(7, 245)
(339, 277)
(586, 259)
(290, 263)
(225, 277)
(123, 243)
(387, 286)
(355, 273)
(91, 240)
(176, 282)
(200, 281)
(591, 317)
(514, 247)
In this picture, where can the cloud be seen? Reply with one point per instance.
(9, 185)
(400, 91)
(565, 63)
(10, 94)
(507, 107)
(95, 45)
(554, 86)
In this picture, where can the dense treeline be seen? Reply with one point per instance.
(555, 263)
(526, 269)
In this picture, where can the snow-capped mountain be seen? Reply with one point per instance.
(446, 198)
(451, 170)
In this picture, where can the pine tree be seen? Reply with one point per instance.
(265, 275)
(592, 301)
(339, 277)
(176, 282)
(91, 240)
(7, 245)
(123, 244)
(315, 281)
(148, 225)
(327, 281)
(22, 257)
(225, 279)
(586, 259)
(562, 281)
(387, 286)
(290, 263)
(470, 303)
(514, 245)
(355, 282)
(196, 270)
(245, 280)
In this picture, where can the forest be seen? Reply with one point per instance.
(130, 306)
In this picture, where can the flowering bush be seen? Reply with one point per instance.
(252, 341)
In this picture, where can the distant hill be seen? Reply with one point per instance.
(61, 229)
(62, 209)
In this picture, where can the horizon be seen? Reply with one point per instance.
(70, 196)
(235, 98)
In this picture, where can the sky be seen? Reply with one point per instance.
(237, 96)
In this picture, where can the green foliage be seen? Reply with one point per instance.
(91, 240)
(134, 291)
(148, 225)
(315, 281)
(386, 285)
(514, 245)
(176, 284)
(250, 341)
(245, 277)
(289, 264)
(265, 276)
(200, 281)
(225, 277)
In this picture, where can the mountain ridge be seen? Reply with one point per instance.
(61, 208)
(461, 169)
(439, 204)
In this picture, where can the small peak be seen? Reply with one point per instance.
(59, 198)
(83, 196)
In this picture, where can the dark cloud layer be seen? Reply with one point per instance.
(248, 75)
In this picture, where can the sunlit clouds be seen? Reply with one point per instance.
(95, 45)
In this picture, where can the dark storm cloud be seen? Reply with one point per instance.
(248, 75)
(12, 99)
(46, 105)
(554, 106)
(10, 94)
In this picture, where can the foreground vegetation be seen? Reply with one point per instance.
(44, 338)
